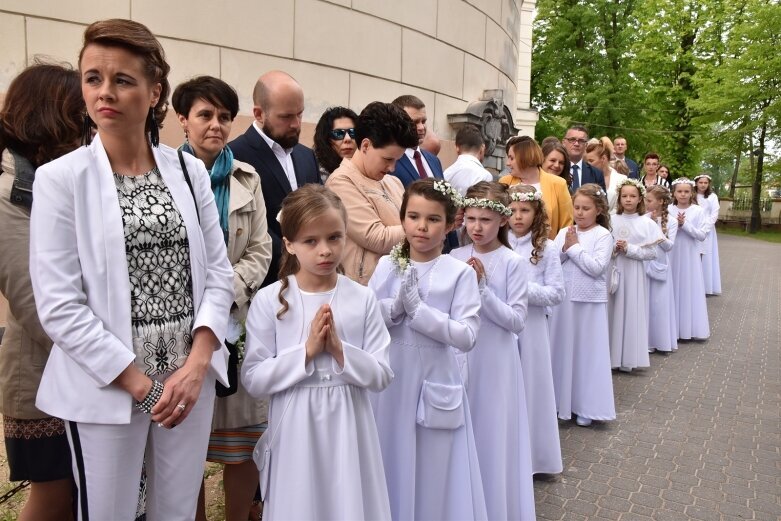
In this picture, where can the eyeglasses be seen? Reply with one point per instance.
(580, 141)
(338, 133)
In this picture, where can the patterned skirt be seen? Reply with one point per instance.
(231, 446)
(37, 450)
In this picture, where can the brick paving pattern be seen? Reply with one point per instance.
(698, 435)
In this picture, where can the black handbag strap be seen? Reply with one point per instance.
(189, 185)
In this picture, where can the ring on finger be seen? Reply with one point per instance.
(182, 406)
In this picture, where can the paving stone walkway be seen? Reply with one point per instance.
(698, 435)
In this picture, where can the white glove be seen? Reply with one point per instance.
(482, 284)
(397, 307)
(409, 291)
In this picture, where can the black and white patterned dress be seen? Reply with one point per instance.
(158, 258)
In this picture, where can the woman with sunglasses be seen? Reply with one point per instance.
(334, 139)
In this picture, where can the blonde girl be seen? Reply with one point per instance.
(495, 385)
(580, 350)
(316, 343)
(545, 289)
(662, 326)
(709, 201)
(429, 302)
(635, 241)
(691, 310)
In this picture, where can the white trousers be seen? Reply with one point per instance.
(107, 461)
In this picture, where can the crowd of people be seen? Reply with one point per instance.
(352, 331)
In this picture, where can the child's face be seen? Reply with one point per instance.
(425, 226)
(523, 217)
(483, 226)
(683, 194)
(652, 204)
(319, 246)
(702, 184)
(629, 198)
(586, 212)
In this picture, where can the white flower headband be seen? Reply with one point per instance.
(631, 182)
(446, 188)
(526, 197)
(706, 176)
(683, 180)
(496, 206)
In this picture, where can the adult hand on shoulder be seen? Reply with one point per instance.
(183, 387)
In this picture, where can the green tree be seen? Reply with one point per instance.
(743, 95)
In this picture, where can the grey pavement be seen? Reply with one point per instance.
(698, 435)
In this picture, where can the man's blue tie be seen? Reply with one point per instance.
(575, 177)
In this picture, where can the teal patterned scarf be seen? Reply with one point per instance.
(220, 176)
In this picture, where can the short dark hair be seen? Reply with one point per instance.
(408, 100)
(326, 156)
(43, 112)
(385, 124)
(469, 137)
(579, 128)
(208, 88)
(651, 155)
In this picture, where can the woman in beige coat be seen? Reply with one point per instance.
(206, 107)
(41, 120)
(371, 196)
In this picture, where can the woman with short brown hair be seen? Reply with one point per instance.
(133, 285)
(525, 158)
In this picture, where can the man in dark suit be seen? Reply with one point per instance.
(619, 150)
(575, 142)
(271, 145)
(416, 163)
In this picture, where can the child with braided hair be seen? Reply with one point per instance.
(497, 395)
(662, 326)
(529, 238)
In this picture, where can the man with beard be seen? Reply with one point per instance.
(271, 145)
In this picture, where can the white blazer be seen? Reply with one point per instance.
(80, 278)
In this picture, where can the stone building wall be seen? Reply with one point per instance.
(343, 52)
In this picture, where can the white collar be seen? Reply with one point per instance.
(470, 158)
(411, 152)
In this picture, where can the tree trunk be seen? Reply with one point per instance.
(734, 180)
(756, 190)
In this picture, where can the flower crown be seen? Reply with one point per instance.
(527, 197)
(399, 258)
(706, 176)
(631, 182)
(447, 189)
(683, 180)
(496, 206)
(600, 192)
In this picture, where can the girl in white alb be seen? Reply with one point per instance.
(580, 350)
(691, 310)
(662, 325)
(316, 343)
(709, 201)
(497, 397)
(529, 238)
(429, 302)
(635, 240)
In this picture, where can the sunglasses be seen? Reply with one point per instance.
(338, 133)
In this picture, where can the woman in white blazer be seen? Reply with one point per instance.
(133, 285)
